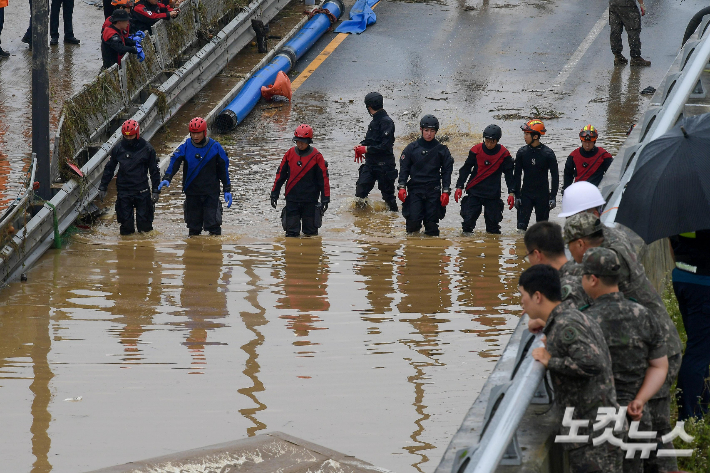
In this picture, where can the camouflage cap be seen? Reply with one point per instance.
(600, 262)
(581, 225)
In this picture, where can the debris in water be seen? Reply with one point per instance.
(648, 91)
(73, 399)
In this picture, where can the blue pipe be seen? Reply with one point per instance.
(250, 93)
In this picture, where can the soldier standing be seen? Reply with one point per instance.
(425, 169)
(625, 14)
(635, 341)
(578, 359)
(376, 150)
(486, 162)
(584, 231)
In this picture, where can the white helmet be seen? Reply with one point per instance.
(579, 197)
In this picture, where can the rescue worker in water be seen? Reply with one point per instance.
(135, 158)
(305, 173)
(376, 150)
(425, 170)
(206, 165)
(486, 162)
(588, 162)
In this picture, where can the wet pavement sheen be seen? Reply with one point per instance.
(364, 340)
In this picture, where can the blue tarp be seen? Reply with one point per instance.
(361, 16)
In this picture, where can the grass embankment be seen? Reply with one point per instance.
(700, 429)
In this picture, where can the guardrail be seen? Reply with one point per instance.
(30, 242)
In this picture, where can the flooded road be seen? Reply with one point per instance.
(363, 339)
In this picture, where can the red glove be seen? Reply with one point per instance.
(359, 158)
(402, 194)
(444, 199)
(458, 194)
(361, 150)
(511, 201)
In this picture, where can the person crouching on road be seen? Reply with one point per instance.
(305, 173)
(425, 170)
(376, 150)
(206, 165)
(135, 158)
(115, 42)
(146, 13)
(588, 162)
(486, 162)
(579, 362)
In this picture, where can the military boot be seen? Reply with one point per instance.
(639, 61)
(620, 60)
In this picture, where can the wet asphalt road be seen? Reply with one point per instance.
(363, 339)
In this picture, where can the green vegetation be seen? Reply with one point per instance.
(700, 429)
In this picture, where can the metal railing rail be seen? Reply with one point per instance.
(502, 426)
(666, 117)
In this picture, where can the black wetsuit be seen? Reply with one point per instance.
(379, 160)
(534, 190)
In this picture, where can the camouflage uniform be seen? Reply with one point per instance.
(580, 369)
(635, 285)
(632, 335)
(625, 14)
(573, 295)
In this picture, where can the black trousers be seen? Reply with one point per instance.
(423, 206)
(297, 215)
(144, 212)
(471, 207)
(108, 8)
(384, 174)
(693, 384)
(68, 11)
(203, 211)
(541, 204)
(2, 21)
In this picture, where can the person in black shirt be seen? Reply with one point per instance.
(425, 170)
(376, 150)
(485, 164)
(588, 162)
(533, 162)
(135, 158)
(691, 284)
(305, 173)
(115, 42)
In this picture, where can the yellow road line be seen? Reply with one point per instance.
(315, 64)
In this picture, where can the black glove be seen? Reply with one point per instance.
(553, 204)
(102, 194)
(323, 208)
(156, 196)
(518, 202)
(274, 200)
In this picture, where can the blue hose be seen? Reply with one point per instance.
(250, 93)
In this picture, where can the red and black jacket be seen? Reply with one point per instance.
(146, 15)
(485, 167)
(305, 175)
(114, 44)
(586, 166)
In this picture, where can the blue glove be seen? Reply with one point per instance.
(140, 54)
(228, 199)
(137, 39)
(140, 34)
(164, 183)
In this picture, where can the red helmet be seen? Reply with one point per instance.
(197, 125)
(588, 133)
(131, 127)
(303, 132)
(535, 127)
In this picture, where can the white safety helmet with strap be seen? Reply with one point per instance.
(579, 197)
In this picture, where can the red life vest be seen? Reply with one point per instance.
(108, 32)
(297, 172)
(487, 163)
(586, 167)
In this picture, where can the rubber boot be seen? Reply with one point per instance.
(640, 62)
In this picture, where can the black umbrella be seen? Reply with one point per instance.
(669, 192)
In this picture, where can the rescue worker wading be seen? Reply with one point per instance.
(588, 162)
(532, 164)
(305, 173)
(135, 158)
(146, 13)
(206, 165)
(115, 42)
(425, 170)
(376, 149)
(486, 162)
